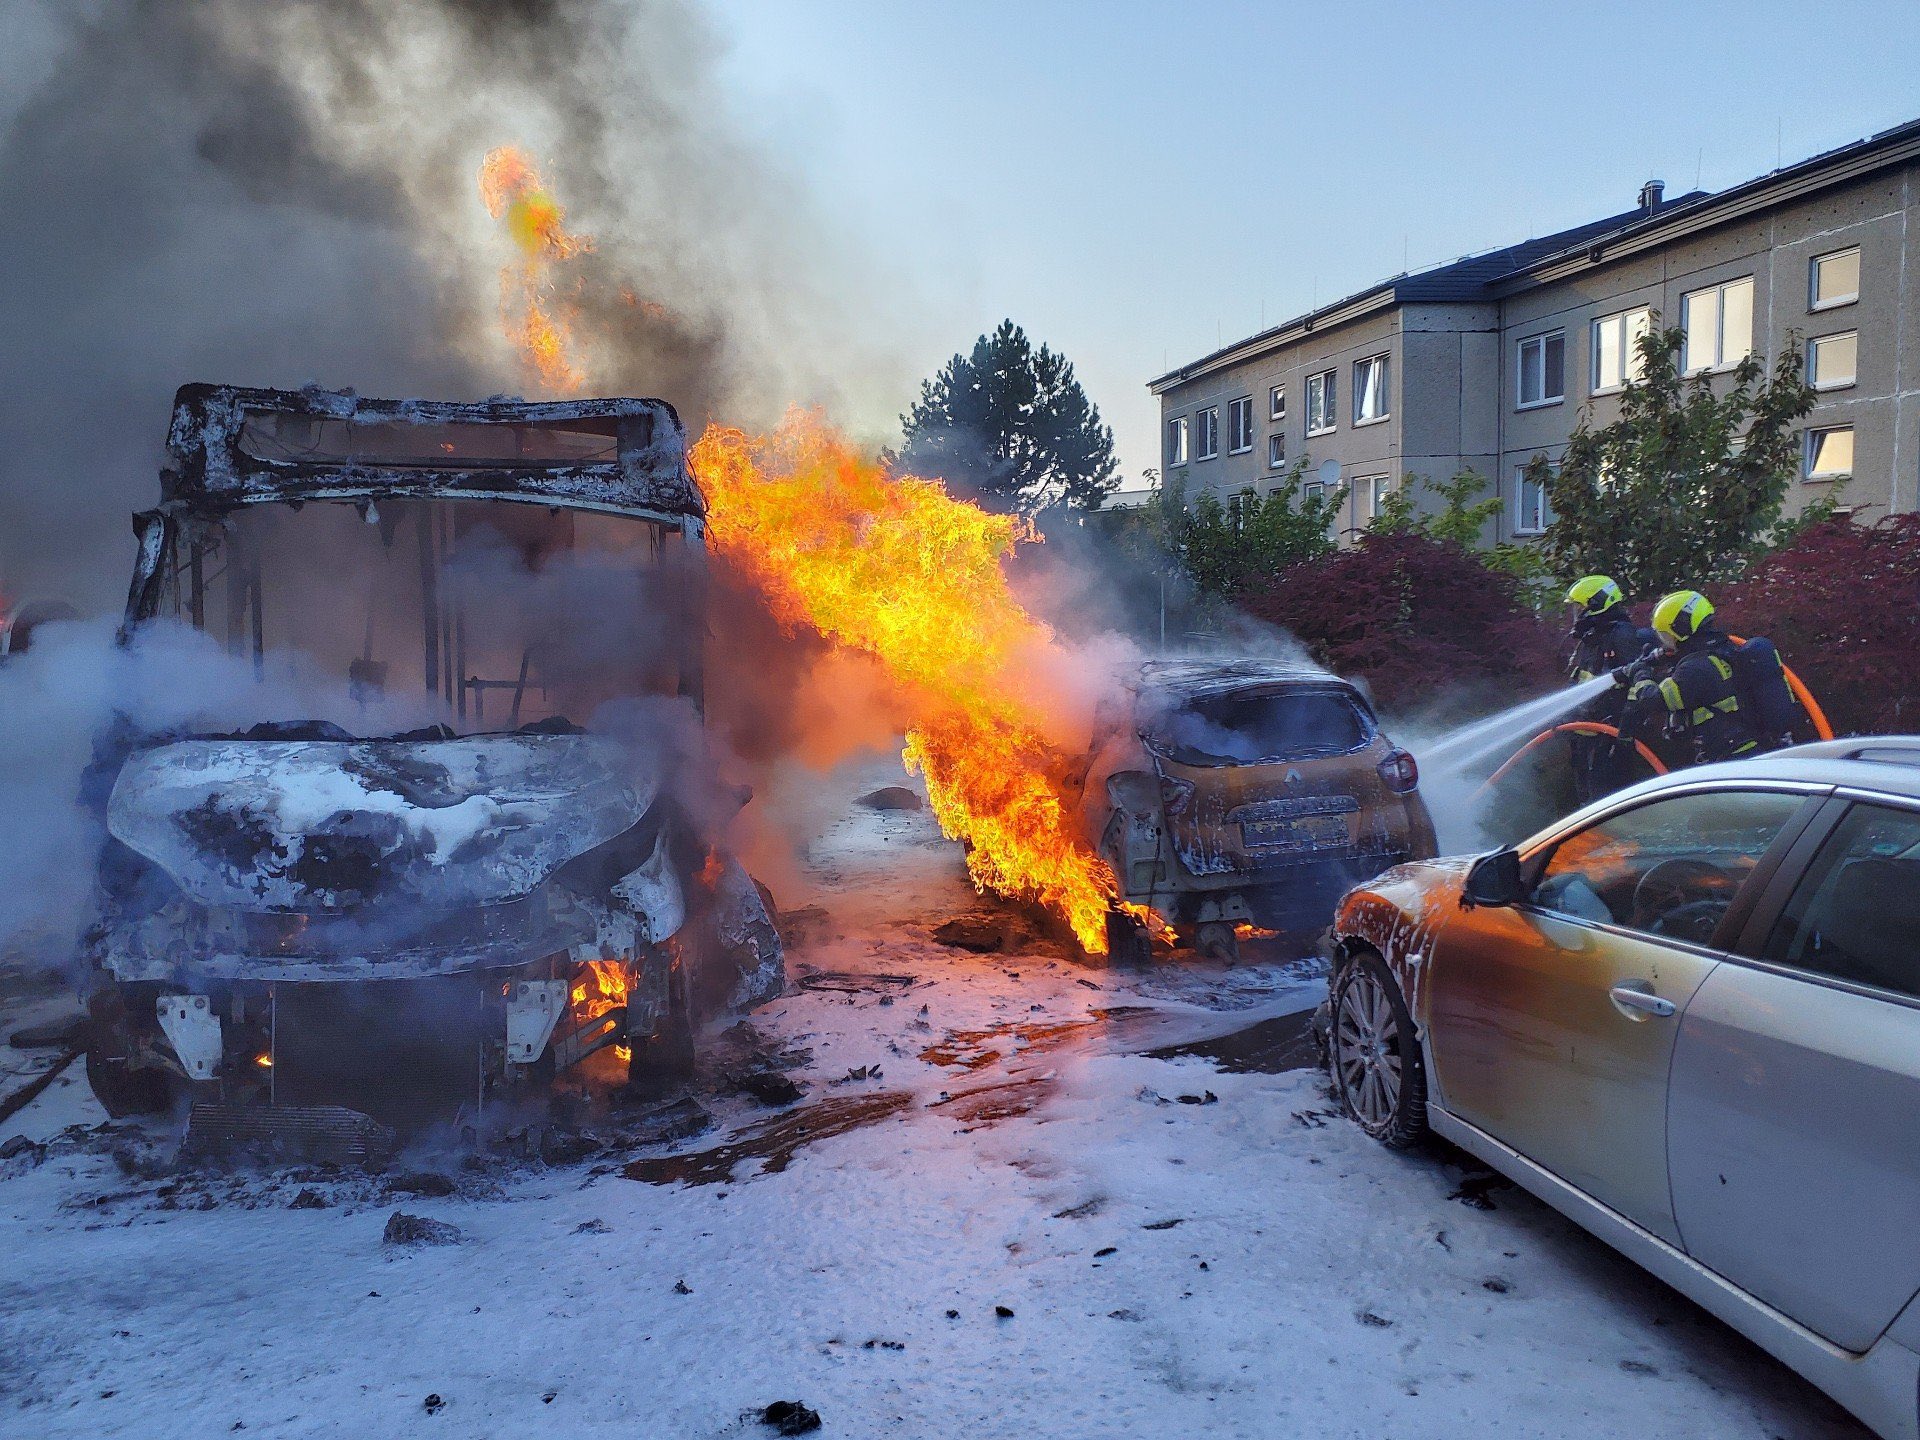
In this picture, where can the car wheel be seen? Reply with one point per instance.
(1216, 941)
(121, 1088)
(1375, 1059)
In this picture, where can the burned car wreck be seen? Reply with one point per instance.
(1229, 792)
(447, 848)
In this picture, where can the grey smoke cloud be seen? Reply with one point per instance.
(285, 193)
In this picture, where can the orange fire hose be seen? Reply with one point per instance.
(1570, 727)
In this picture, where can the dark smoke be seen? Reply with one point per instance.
(284, 193)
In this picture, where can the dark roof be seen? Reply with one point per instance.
(1483, 277)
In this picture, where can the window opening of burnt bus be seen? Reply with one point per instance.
(493, 613)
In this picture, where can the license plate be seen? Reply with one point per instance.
(1309, 832)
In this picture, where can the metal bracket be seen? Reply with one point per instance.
(193, 1029)
(534, 1007)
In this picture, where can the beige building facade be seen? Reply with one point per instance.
(1490, 361)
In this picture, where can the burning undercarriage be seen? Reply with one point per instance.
(482, 864)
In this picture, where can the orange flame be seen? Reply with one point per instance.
(887, 565)
(895, 567)
(511, 189)
(598, 990)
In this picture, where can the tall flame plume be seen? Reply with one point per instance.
(535, 318)
(890, 566)
(894, 567)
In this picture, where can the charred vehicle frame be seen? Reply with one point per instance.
(1232, 792)
(307, 926)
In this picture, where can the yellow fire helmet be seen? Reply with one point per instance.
(1596, 594)
(1680, 615)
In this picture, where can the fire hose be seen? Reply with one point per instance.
(1821, 727)
(1570, 727)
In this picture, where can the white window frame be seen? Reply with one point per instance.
(1276, 402)
(1813, 355)
(1373, 490)
(1277, 450)
(1206, 444)
(1814, 302)
(1329, 401)
(1240, 418)
(1812, 448)
(1384, 390)
(1630, 359)
(1179, 450)
(1539, 342)
(1720, 362)
(1543, 517)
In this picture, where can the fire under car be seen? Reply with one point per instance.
(1231, 792)
(444, 848)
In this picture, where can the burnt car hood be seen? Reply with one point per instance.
(330, 825)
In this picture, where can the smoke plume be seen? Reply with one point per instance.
(284, 194)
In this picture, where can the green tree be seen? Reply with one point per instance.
(1010, 426)
(1465, 508)
(1687, 485)
(1225, 546)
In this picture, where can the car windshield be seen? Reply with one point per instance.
(1251, 727)
(477, 615)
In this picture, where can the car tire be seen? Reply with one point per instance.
(1378, 1075)
(121, 1088)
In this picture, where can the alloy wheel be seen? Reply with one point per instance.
(1366, 1050)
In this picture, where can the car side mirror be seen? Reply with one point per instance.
(1494, 880)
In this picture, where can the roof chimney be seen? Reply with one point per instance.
(1650, 194)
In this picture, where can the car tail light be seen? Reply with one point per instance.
(1175, 795)
(1401, 772)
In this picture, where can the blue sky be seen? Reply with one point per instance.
(1134, 182)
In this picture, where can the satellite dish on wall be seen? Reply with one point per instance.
(1329, 472)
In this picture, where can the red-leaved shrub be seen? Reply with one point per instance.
(1842, 601)
(1413, 617)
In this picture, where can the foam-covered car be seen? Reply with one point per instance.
(1228, 792)
(438, 841)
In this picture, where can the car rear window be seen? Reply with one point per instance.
(1253, 728)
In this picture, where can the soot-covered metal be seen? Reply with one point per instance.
(502, 601)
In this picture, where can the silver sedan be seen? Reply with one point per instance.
(1688, 1017)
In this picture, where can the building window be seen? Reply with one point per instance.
(1374, 490)
(1616, 348)
(1276, 450)
(1831, 360)
(1208, 439)
(1320, 417)
(1240, 426)
(1176, 441)
(1718, 325)
(1370, 390)
(1277, 403)
(1834, 279)
(1543, 370)
(1532, 511)
(1830, 453)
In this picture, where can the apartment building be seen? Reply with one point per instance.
(1489, 361)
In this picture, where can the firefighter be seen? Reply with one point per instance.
(1604, 636)
(1728, 700)
(1604, 639)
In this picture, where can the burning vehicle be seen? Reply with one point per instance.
(1233, 792)
(482, 867)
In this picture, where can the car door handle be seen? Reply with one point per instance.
(1636, 1001)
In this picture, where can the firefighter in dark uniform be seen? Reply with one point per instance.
(1604, 640)
(1728, 700)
